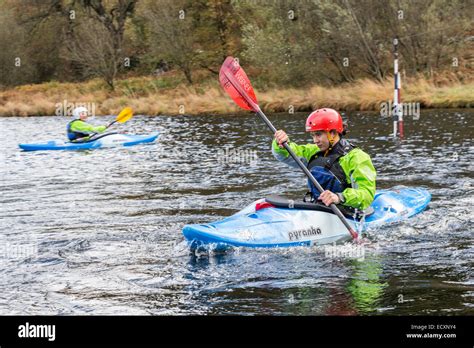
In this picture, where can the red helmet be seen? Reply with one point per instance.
(324, 120)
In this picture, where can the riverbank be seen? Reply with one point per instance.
(170, 95)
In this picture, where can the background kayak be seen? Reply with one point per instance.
(106, 140)
(260, 226)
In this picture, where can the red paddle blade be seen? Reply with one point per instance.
(235, 82)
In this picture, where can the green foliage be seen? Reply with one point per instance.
(16, 66)
(293, 43)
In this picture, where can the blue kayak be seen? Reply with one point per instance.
(104, 140)
(279, 222)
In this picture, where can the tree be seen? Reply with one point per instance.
(15, 65)
(217, 32)
(97, 41)
(171, 33)
(367, 49)
(93, 49)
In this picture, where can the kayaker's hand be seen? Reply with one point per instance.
(328, 197)
(281, 137)
(100, 129)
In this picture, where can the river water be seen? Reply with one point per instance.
(99, 232)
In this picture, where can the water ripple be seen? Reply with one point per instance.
(99, 232)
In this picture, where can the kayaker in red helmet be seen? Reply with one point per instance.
(345, 172)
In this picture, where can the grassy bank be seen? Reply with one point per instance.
(170, 95)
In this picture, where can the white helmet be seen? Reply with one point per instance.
(76, 113)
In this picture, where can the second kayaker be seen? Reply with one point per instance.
(345, 172)
(78, 129)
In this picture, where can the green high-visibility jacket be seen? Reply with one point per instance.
(84, 127)
(357, 166)
(78, 129)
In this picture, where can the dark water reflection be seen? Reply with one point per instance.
(99, 232)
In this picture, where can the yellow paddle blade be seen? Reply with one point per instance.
(125, 115)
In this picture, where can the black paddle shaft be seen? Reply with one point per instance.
(307, 172)
(254, 106)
